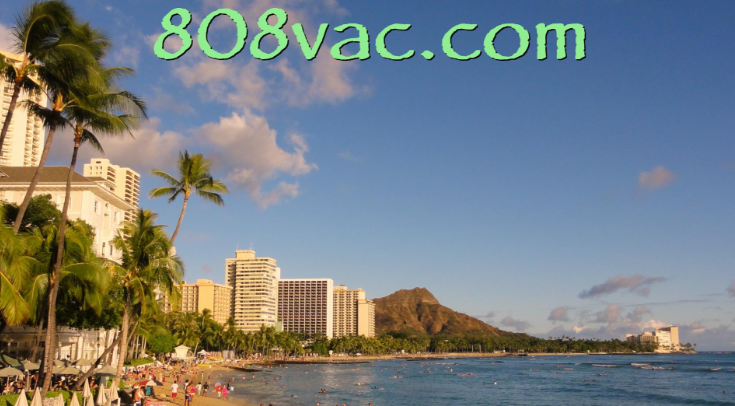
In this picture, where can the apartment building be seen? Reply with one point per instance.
(26, 135)
(306, 306)
(254, 283)
(125, 181)
(205, 294)
(354, 315)
(91, 200)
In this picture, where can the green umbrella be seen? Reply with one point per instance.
(66, 371)
(10, 371)
(82, 362)
(8, 361)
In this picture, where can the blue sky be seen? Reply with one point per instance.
(508, 189)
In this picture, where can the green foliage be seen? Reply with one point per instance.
(162, 343)
(41, 212)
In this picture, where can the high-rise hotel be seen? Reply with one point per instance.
(306, 306)
(125, 182)
(353, 314)
(24, 143)
(254, 283)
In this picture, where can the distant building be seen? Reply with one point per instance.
(254, 283)
(645, 338)
(91, 200)
(204, 294)
(668, 338)
(353, 314)
(665, 338)
(125, 180)
(306, 306)
(26, 135)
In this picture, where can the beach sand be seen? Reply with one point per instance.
(210, 399)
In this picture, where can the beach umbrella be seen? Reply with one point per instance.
(82, 362)
(74, 399)
(86, 392)
(66, 371)
(37, 400)
(59, 400)
(59, 363)
(101, 396)
(22, 399)
(107, 370)
(89, 401)
(10, 371)
(29, 366)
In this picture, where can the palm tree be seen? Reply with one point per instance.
(15, 266)
(193, 177)
(39, 36)
(82, 279)
(101, 110)
(58, 86)
(146, 266)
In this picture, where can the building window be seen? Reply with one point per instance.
(110, 249)
(114, 216)
(96, 206)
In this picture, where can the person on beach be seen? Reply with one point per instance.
(199, 388)
(224, 392)
(218, 388)
(174, 390)
(205, 387)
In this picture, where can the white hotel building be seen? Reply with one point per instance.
(254, 283)
(92, 200)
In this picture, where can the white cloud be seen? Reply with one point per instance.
(561, 313)
(637, 314)
(246, 146)
(239, 86)
(658, 177)
(6, 39)
(126, 56)
(609, 315)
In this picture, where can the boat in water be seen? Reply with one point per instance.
(605, 365)
(715, 369)
(637, 365)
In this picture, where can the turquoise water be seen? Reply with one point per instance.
(547, 380)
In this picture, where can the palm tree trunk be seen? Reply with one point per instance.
(34, 181)
(37, 342)
(9, 117)
(91, 370)
(54, 280)
(181, 218)
(124, 340)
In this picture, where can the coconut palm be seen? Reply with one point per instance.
(146, 266)
(39, 37)
(97, 110)
(15, 266)
(82, 280)
(59, 86)
(192, 177)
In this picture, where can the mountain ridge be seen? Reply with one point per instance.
(418, 312)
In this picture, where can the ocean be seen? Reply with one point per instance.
(541, 380)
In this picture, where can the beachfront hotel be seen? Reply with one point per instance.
(26, 135)
(306, 306)
(91, 200)
(254, 283)
(125, 180)
(665, 338)
(204, 294)
(354, 315)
